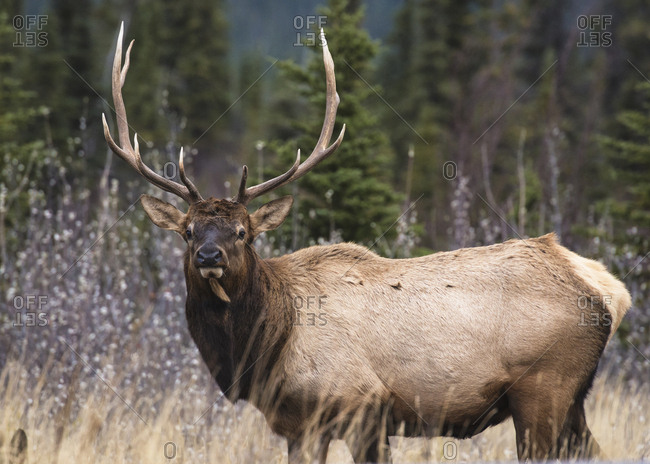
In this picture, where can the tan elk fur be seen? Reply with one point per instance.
(449, 331)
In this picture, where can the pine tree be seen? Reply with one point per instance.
(30, 168)
(178, 83)
(628, 131)
(423, 74)
(196, 59)
(629, 156)
(66, 66)
(349, 194)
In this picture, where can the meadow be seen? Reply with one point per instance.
(189, 424)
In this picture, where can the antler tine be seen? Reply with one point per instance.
(194, 192)
(131, 153)
(244, 194)
(320, 152)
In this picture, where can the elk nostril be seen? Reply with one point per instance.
(208, 257)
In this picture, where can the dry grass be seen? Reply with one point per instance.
(99, 427)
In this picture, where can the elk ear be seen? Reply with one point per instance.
(163, 214)
(270, 215)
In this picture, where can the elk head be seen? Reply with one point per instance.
(217, 231)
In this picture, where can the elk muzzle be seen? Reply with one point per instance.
(211, 261)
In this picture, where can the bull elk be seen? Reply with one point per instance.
(445, 344)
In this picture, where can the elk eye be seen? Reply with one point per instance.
(188, 233)
(242, 233)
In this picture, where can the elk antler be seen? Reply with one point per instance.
(131, 153)
(321, 151)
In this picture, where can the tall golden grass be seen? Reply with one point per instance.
(120, 426)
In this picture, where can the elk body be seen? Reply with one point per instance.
(446, 344)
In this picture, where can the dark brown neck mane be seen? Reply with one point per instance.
(239, 341)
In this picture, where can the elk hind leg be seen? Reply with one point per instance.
(539, 411)
(576, 440)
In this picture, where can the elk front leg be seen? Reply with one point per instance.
(371, 449)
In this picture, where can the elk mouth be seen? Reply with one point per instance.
(211, 272)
